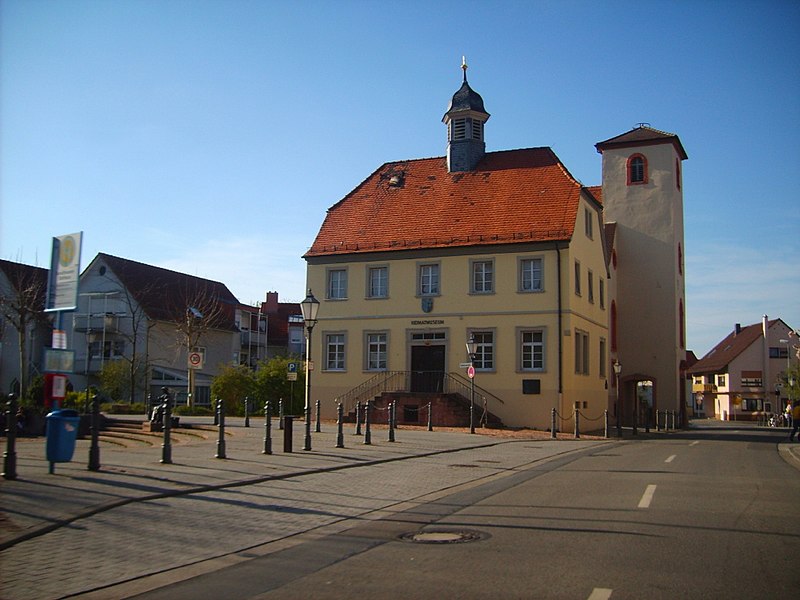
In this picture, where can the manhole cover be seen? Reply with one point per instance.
(442, 537)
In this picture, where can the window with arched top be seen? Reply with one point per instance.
(637, 169)
(682, 324)
(678, 173)
(680, 259)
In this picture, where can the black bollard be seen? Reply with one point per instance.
(577, 424)
(10, 454)
(148, 406)
(367, 433)
(94, 429)
(553, 423)
(430, 416)
(247, 411)
(358, 418)
(391, 421)
(605, 423)
(166, 405)
(340, 424)
(221, 440)
(316, 415)
(267, 428)
(280, 414)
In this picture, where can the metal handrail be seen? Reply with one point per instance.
(398, 381)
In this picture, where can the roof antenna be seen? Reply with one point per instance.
(640, 125)
(464, 67)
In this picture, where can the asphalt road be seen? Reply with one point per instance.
(707, 514)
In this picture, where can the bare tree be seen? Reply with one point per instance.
(198, 309)
(23, 306)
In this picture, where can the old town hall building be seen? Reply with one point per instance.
(553, 281)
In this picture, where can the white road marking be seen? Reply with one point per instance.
(647, 497)
(694, 443)
(671, 458)
(600, 594)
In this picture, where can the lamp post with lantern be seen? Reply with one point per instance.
(310, 308)
(472, 351)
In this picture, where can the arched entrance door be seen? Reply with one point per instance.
(638, 401)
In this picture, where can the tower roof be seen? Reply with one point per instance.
(642, 135)
(466, 99)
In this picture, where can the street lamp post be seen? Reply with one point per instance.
(472, 348)
(309, 307)
(617, 407)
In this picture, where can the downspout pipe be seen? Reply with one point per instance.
(560, 335)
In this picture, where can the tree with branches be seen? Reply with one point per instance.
(22, 304)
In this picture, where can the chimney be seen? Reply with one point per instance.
(271, 305)
(737, 329)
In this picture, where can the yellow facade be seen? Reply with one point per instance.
(419, 328)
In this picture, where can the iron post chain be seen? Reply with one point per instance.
(166, 446)
(221, 440)
(339, 425)
(94, 429)
(367, 433)
(10, 454)
(267, 428)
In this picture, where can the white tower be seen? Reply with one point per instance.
(643, 195)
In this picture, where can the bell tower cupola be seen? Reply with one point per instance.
(465, 119)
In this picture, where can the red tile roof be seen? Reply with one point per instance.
(512, 196)
(720, 356)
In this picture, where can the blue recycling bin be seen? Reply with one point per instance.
(62, 431)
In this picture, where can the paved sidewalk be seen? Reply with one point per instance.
(38, 502)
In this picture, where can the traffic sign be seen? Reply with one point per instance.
(195, 360)
(465, 365)
(291, 376)
(471, 372)
(292, 367)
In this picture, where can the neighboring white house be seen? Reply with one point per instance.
(742, 375)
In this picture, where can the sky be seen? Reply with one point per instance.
(210, 137)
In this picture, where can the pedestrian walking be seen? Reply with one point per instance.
(787, 415)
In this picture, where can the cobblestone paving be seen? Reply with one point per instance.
(151, 536)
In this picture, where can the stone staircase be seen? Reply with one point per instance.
(129, 433)
(449, 410)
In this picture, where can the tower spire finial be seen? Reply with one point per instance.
(464, 66)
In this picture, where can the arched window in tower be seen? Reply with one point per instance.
(680, 259)
(637, 169)
(678, 173)
(682, 324)
(613, 325)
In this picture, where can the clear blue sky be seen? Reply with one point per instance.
(211, 137)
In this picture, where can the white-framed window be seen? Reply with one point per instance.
(577, 278)
(581, 352)
(531, 349)
(484, 350)
(530, 275)
(378, 282)
(721, 380)
(428, 279)
(337, 284)
(482, 277)
(334, 352)
(377, 351)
